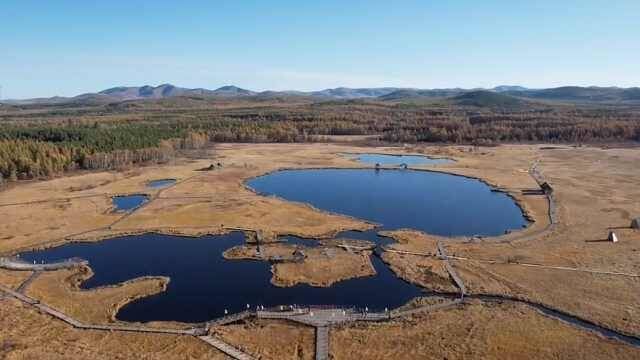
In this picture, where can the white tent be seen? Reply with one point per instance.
(612, 237)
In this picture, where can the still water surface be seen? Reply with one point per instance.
(128, 202)
(436, 203)
(385, 159)
(161, 183)
(203, 284)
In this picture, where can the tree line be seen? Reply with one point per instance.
(37, 144)
(52, 152)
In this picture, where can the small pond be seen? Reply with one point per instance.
(436, 203)
(161, 183)
(203, 284)
(128, 202)
(397, 160)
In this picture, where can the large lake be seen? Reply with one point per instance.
(432, 202)
(203, 284)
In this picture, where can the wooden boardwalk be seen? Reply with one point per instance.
(426, 308)
(226, 348)
(324, 317)
(230, 318)
(332, 316)
(540, 180)
(452, 272)
(322, 343)
(12, 263)
(25, 284)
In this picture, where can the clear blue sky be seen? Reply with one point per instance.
(66, 47)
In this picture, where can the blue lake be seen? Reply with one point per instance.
(128, 202)
(203, 284)
(386, 159)
(432, 202)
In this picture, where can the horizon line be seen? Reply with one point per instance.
(3, 87)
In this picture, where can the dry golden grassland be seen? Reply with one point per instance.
(321, 266)
(60, 290)
(28, 334)
(48, 223)
(596, 191)
(13, 279)
(474, 331)
(271, 339)
(408, 263)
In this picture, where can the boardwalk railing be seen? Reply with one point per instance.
(322, 343)
(14, 263)
(230, 318)
(539, 178)
(226, 348)
(400, 313)
(452, 272)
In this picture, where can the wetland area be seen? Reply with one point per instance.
(436, 203)
(336, 231)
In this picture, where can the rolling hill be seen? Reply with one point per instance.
(484, 98)
(126, 93)
(504, 95)
(577, 93)
(351, 93)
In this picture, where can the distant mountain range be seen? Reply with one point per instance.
(576, 93)
(505, 95)
(167, 90)
(125, 93)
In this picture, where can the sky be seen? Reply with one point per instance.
(67, 47)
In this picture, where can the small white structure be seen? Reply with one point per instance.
(635, 223)
(612, 237)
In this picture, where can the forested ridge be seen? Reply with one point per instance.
(42, 142)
